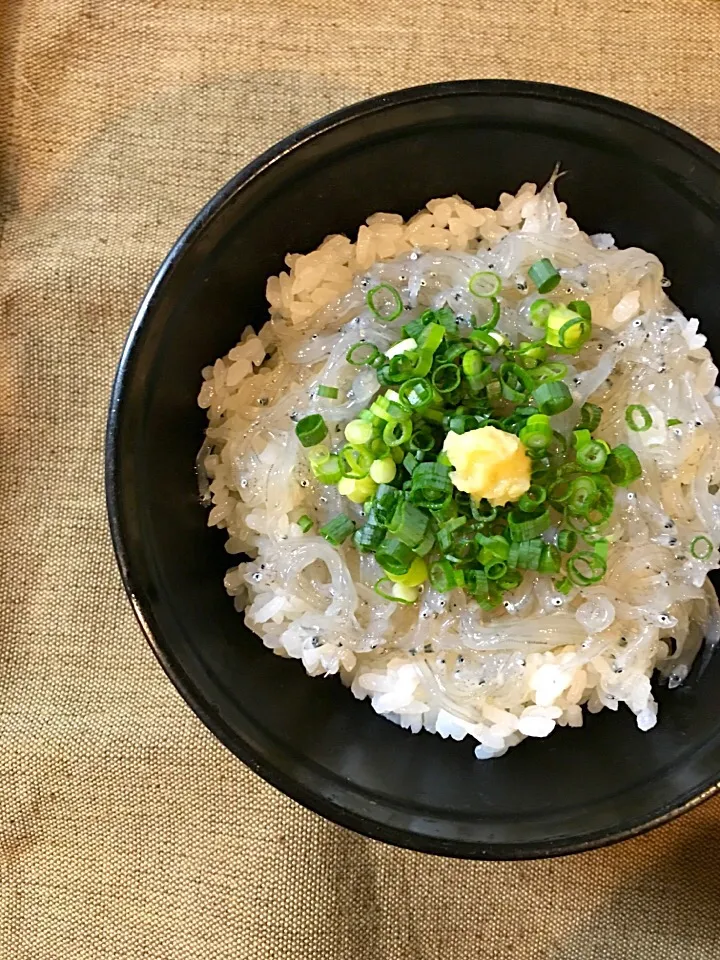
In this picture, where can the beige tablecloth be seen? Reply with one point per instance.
(126, 831)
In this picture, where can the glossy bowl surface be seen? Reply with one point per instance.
(629, 173)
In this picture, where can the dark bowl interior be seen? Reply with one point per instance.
(628, 173)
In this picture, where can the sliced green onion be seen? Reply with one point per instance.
(416, 393)
(544, 275)
(397, 453)
(526, 554)
(532, 498)
(496, 570)
(431, 484)
(378, 448)
(539, 312)
(573, 334)
(337, 530)
(431, 337)
(422, 439)
(368, 537)
(592, 456)
(383, 471)
(531, 353)
(410, 462)
(416, 327)
(444, 577)
(493, 548)
(559, 492)
(409, 524)
(426, 544)
(674, 422)
(550, 560)
(585, 568)
(601, 548)
(358, 432)
(384, 503)
(527, 526)
(632, 413)
(387, 409)
(494, 317)
(583, 495)
(355, 462)
(482, 511)
(476, 371)
(362, 353)
(357, 489)
(563, 586)
(397, 432)
(401, 367)
(446, 533)
(566, 330)
(327, 470)
(511, 580)
(453, 351)
(311, 430)
(484, 283)
(385, 302)
(549, 372)
(567, 541)
(590, 415)
(537, 433)
(484, 341)
(582, 309)
(330, 393)
(462, 550)
(552, 397)
(305, 523)
(516, 383)
(446, 378)
(463, 424)
(623, 466)
(416, 575)
(394, 556)
(389, 593)
(447, 320)
(701, 548)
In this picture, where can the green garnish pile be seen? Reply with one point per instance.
(438, 378)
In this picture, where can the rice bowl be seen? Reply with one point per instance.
(436, 659)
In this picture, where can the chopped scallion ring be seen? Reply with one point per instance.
(638, 418)
(394, 556)
(552, 397)
(388, 593)
(385, 302)
(383, 471)
(311, 430)
(544, 275)
(337, 530)
(585, 568)
(358, 432)
(590, 415)
(331, 393)
(305, 523)
(567, 541)
(582, 309)
(539, 312)
(623, 466)
(701, 548)
(362, 353)
(484, 283)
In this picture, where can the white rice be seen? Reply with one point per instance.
(443, 664)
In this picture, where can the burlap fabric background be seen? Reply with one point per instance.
(126, 831)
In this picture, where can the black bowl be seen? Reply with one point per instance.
(629, 173)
